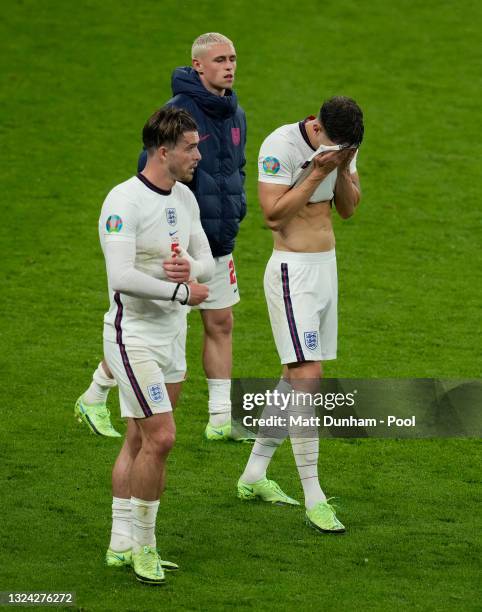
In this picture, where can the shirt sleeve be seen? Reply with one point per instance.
(199, 252)
(124, 277)
(119, 218)
(274, 162)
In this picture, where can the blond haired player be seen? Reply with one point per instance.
(205, 90)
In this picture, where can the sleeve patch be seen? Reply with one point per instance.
(271, 165)
(114, 224)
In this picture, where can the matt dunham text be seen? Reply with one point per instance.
(325, 421)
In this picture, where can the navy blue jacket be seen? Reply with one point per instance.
(218, 182)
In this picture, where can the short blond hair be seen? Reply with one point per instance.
(203, 42)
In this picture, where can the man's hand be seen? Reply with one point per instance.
(346, 155)
(197, 293)
(324, 163)
(280, 203)
(177, 268)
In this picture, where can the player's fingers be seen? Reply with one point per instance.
(177, 274)
(329, 159)
(182, 263)
(175, 264)
(324, 157)
(341, 154)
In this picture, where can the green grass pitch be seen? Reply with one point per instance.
(78, 81)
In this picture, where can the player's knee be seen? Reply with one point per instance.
(163, 443)
(219, 325)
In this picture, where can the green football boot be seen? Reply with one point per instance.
(118, 559)
(96, 417)
(224, 432)
(122, 559)
(322, 517)
(147, 566)
(265, 490)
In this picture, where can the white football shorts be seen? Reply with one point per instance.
(142, 372)
(301, 291)
(223, 287)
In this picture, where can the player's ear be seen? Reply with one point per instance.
(162, 153)
(197, 65)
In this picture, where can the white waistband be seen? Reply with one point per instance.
(223, 258)
(305, 258)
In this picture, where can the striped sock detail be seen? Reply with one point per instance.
(125, 359)
(289, 314)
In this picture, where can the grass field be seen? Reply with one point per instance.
(79, 81)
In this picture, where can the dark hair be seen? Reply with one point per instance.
(165, 126)
(342, 120)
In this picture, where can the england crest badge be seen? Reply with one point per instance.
(311, 340)
(236, 136)
(155, 392)
(171, 216)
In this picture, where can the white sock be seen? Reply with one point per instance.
(265, 447)
(261, 454)
(305, 446)
(99, 387)
(305, 451)
(144, 515)
(219, 404)
(121, 534)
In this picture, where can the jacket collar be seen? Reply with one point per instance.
(186, 81)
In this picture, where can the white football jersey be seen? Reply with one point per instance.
(155, 220)
(283, 154)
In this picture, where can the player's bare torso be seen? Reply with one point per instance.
(310, 231)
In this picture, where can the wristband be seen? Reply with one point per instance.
(175, 291)
(187, 294)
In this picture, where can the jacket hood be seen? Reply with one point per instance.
(186, 81)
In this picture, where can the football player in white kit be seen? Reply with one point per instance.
(301, 280)
(153, 244)
(205, 90)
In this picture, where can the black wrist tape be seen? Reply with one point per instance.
(187, 294)
(175, 291)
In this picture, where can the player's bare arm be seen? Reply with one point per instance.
(347, 187)
(281, 203)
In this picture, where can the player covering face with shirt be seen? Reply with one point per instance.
(154, 248)
(307, 170)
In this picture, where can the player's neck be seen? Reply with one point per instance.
(159, 177)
